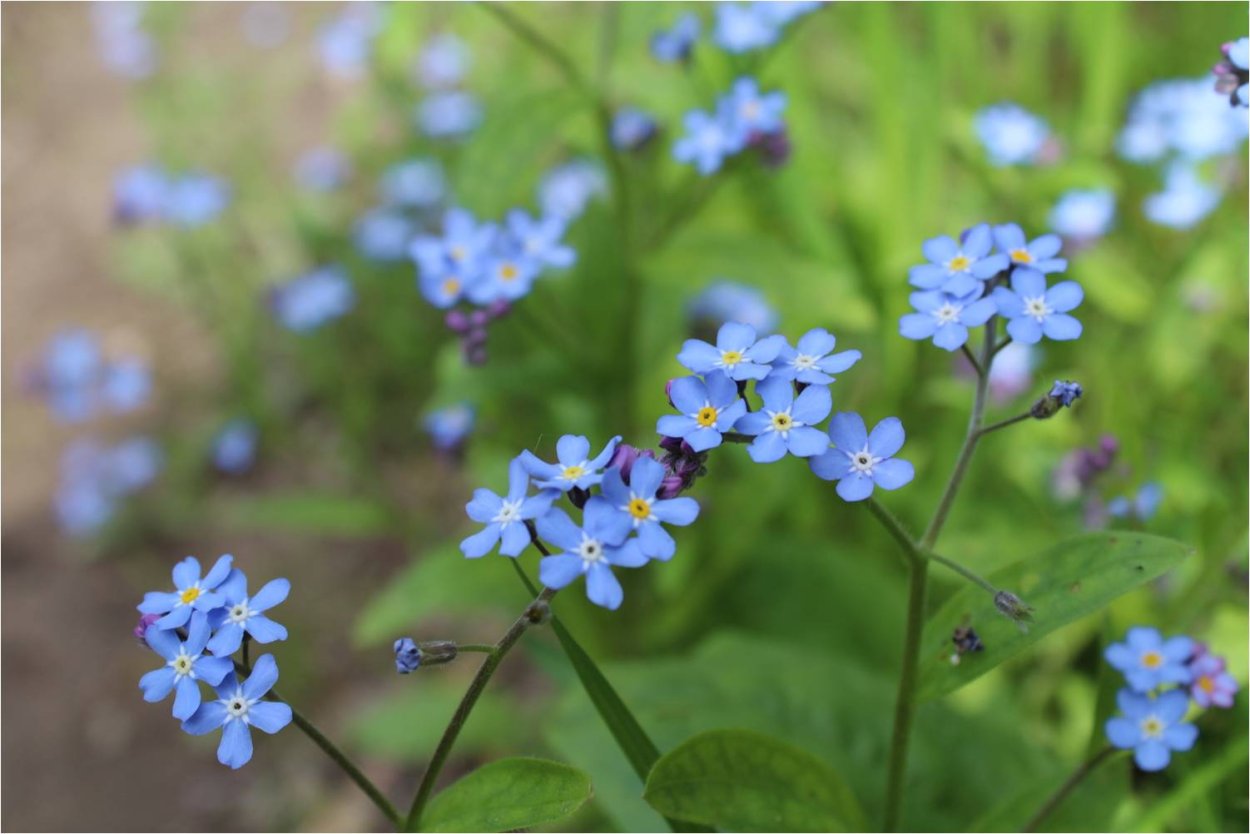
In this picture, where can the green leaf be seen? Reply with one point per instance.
(507, 795)
(1073, 578)
(307, 512)
(747, 781)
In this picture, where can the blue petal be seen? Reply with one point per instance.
(207, 601)
(765, 350)
(158, 602)
(559, 570)
(572, 449)
(855, 487)
(1180, 737)
(537, 506)
(264, 676)
(515, 538)
(1061, 327)
(538, 468)
(645, 477)
(235, 749)
(1152, 755)
(186, 573)
(614, 489)
(847, 431)
(518, 479)
(210, 716)
(988, 267)
(674, 425)
(887, 437)
(271, 593)
(602, 587)
(729, 415)
(484, 506)
(778, 395)
(1123, 733)
(813, 405)
(1046, 246)
(750, 370)
(213, 670)
(1009, 304)
(1028, 283)
(1065, 296)
(265, 630)
(721, 390)
(830, 466)
(702, 439)
(1134, 704)
(927, 276)
(676, 511)
(234, 588)
(698, 356)
(950, 336)
(893, 473)
(197, 634)
(227, 639)
(605, 522)
(978, 312)
(628, 555)
(187, 699)
(269, 716)
(557, 528)
(817, 342)
(805, 441)
(939, 250)
(218, 573)
(961, 284)
(1144, 638)
(600, 460)
(164, 642)
(735, 335)
(1120, 656)
(1178, 649)
(157, 684)
(978, 241)
(688, 394)
(174, 619)
(767, 447)
(1024, 330)
(838, 362)
(756, 422)
(655, 542)
(1009, 236)
(917, 326)
(480, 543)
(1171, 706)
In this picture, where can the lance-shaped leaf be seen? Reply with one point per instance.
(508, 795)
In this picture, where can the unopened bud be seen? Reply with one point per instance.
(1062, 394)
(625, 457)
(407, 655)
(1014, 608)
(145, 622)
(435, 652)
(457, 321)
(539, 612)
(671, 486)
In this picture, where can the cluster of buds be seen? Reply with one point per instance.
(471, 328)
(773, 147)
(1081, 467)
(1229, 77)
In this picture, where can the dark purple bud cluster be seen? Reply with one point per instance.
(774, 147)
(472, 326)
(682, 464)
(1229, 77)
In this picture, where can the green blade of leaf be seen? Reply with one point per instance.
(747, 781)
(507, 795)
(1073, 578)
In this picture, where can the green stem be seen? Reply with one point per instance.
(1002, 424)
(476, 687)
(974, 578)
(1070, 784)
(905, 702)
(474, 647)
(549, 50)
(976, 363)
(895, 528)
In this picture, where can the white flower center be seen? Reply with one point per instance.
(533, 245)
(591, 550)
(782, 422)
(1037, 308)
(863, 461)
(804, 362)
(237, 706)
(508, 513)
(183, 663)
(1151, 726)
(238, 613)
(947, 314)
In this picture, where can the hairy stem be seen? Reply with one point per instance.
(476, 687)
(1070, 784)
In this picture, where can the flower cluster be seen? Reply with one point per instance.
(411, 191)
(313, 299)
(966, 282)
(94, 479)
(739, 28)
(322, 169)
(1233, 73)
(1162, 677)
(447, 112)
(743, 118)
(1083, 215)
(345, 42)
(148, 194)
(195, 629)
(79, 381)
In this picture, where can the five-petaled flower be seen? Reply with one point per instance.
(737, 353)
(1151, 727)
(710, 137)
(1038, 254)
(185, 664)
(958, 268)
(591, 550)
(240, 706)
(191, 592)
(709, 407)
(574, 467)
(1148, 661)
(812, 361)
(539, 239)
(505, 517)
(638, 502)
(754, 113)
(1212, 685)
(859, 461)
(945, 318)
(1034, 311)
(242, 613)
(785, 423)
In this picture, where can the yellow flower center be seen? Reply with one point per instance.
(640, 508)
(508, 272)
(1151, 660)
(782, 421)
(451, 286)
(706, 416)
(1151, 726)
(730, 358)
(572, 473)
(189, 596)
(959, 263)
(1206, 684)
(458, 253)
(1021, 256)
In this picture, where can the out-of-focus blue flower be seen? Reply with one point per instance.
(1010, 134)
(322, 169)
(448, 427)
(132, 465)
(859, 461)
(539, 239)
(185, 665)
(709, 408)
(632, 128)
(566, 189)
(1184, 202)
(506, 276)
(242, 614)
(1066, 392)
(95, 478)
(1038, 254)
(1182, 118)
(140, 194)
(785, 12)
(637, 501)
(124, 47)
(126, 385)
(786, 423)
(1151, 727)
(1034, 311)
(944, 318)
(345, 42)
(754, 113)
(416, 183)
(384, 234)
(191, 593)
(449, 265)
(443, 62)
(266, 24)
(591, 551)
(1011, 371)
(709, 139)
(1083, 214)
(1148, 661)
(958, 268)
(195, 199)
(744, 27)
(449, 115)
(738, 353)
(1141, 506)
(407, 656)
(725, 301)
(812, 361)
(505, 517)
(238, 708)
(574, 467)
(1212, 685)
(313, 299)
(234, 447)
(676, 42)
(69, 374)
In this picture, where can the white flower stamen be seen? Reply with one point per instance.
(804, 362)
(238, 613)
(863, 461)
(590, 550)
(509, 512)
(183, 665)
(948, 313)
(1037, 307)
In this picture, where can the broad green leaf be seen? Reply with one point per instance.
(1069, 580)
(508, 795)
(747, 781)
(307, 512)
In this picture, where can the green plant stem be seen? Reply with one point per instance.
(972, 577)
(1002, 424)
(550, 51)
(976, 363)
(475, 647)
(476, 687)
(1070, 784)
(905, 702)
(895, 529)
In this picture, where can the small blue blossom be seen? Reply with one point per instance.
(132, 464)
(1038, 254)
(812, 361)
(1066, 392)
(416, 183)
(1180, 118)
(566, 189)
(785, 12)
(191, 593)
(1141, 506)
(345, 43)
(448, 427)
(591, 551)
(709, 408)
(1083, 215)
(242, 614)
(124, 47)
(1010, 134)
(708, 141)
(574, 469)
(737, 353)
(676, 42)
(744, 27)
(786, 423)
(1184, 202)
(859, 461)
(140, 194)
(1033, 311)
(195, 199)
(725, 301)
(506, 275)
(95, 478)
(316, 298)
(459, 253)
(753, 113)
(68, 374)
(186, 664)
(443, 62)
(407, 656)
(539, 239)
(1151, 727)
(505, 517)
(449, 115)
(126, 385)
(238, 708)
(944, 318)
(322, 169)
(1148, 661)
(234, 447)
(958, 268)
(638, 502)
(632, 129)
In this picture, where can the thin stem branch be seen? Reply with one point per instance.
(1002, 424)
(540, 43)
(476, 687)
(1070, 784)
(972, 577)
(976, 363)
(475, 647)
(895, 529)
(905, 703)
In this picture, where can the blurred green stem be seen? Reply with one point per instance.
(1061, 793)
(1002, 424)
(964, 572)
(476, 687)
(913, 551)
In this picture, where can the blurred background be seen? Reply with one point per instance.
(215, 343)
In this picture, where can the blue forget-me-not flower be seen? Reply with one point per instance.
(242, 614)
(313, 299)
(812, 360)
(1142, 506)
(1034, 311)
(1151, 727)
(860, 461)
(1038, 254)
(709, 407)
(638, 502)
(958, 268)
(945, 318)
(407, 655)
(191, 592)
(240, 706)
(1148, 661)
(738, 353)
(786, 423)
(591, 550)
(185, 665)
(1010, 134)
(574, 468)
(1083, 214)
(505, 517)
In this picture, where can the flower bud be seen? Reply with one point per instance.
(774, 148)
(671, 486)
(1062, 394)
(1014, 608)
(624, 458)
(538, 613)
(435, 652)
(407, 655)
(145, 622)
(498, 309)
(457, 321)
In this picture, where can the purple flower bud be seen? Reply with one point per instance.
(672, 445)
(479, 318)
(774, 147)
(625, 456)
(407, 655)
(498, 308)
(671, 486)
(668, 392)
(457, 321)
(1109, 444)
(475, 355)
(142, 628)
